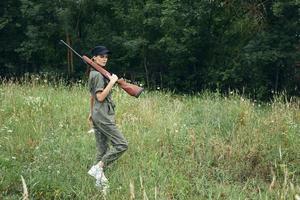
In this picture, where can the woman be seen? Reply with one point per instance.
(102, 115)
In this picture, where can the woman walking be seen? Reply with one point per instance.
(102, 116)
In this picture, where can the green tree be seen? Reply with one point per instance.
(271, 55)
(185, 46)
(11, 36)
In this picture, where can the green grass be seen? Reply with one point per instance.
(181, 147)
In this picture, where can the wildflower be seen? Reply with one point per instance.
(91, 131)
(9, 131)
(13, 157)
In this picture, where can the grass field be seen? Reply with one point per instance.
(181, 147)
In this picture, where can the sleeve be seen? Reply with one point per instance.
(99, 84)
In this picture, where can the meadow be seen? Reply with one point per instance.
(205, 146)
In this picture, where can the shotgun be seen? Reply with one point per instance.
(131, 89)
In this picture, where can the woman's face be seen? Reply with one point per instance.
(101, 59)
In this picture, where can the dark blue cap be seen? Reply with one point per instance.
(100, 50)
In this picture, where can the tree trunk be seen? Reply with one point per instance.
(146, 71)
(70, 56)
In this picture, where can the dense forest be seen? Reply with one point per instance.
(185, 46)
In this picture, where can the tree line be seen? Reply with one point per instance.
(185, 46)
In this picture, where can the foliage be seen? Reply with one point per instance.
(185, 46)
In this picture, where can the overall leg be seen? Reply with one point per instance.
(101, 144)
(118, 141)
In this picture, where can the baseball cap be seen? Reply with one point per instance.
(100, 50)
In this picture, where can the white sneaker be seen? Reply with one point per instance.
(102, 183)
(95, 171)
(101, 179)
(103, 186)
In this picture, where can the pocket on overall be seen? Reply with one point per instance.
(111, 108)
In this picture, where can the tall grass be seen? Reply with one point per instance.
(181, 147)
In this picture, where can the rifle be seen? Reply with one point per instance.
(131, 89)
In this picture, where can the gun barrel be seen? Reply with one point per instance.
(71, 48)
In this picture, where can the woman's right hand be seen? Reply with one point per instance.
(113, 78)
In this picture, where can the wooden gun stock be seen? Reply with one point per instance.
(131, 89)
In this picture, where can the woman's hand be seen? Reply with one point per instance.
(113, 78)
(90, 121)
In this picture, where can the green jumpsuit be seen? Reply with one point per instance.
(103, 117)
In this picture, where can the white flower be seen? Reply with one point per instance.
(91, 131)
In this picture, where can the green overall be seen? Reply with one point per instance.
(103, 116)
